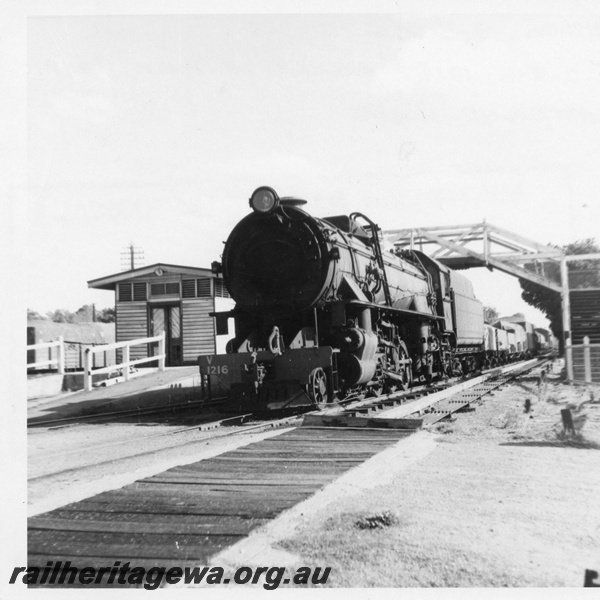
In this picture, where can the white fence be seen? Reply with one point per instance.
(88, 372)
(58, 362)
(583, 362)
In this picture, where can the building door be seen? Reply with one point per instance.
(168, 319)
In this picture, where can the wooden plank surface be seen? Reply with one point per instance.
(67, 516)
(344, 420)
(190, 512)
(175, 528)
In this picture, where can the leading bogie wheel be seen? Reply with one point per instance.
(317, 386)
(406, 370)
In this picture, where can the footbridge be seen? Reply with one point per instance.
(487, 245)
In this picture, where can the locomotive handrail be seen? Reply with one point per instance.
(378, 254)
(59, 361)
(126, 362)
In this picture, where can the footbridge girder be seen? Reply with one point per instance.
(482, 245)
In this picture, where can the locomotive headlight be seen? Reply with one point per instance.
(264, 200)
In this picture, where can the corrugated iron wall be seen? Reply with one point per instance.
(132, 324)
(585, 315)
(77, 337)
(198, 328)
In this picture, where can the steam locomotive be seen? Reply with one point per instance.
(323, 312)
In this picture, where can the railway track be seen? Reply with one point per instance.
(424, 401)
(433, 403)
(457, 396)
(370, 405)
(236, 426)
(445, 407)
(131, 413)
(186, 514)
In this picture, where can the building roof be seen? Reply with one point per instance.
(110, 281)
(85, 333)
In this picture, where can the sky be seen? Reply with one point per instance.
(155, 130)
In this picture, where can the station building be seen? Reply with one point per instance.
(171, 298)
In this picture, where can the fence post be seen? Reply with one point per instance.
(126, 362)
(587, 363)
(87, 371)
(61, 355)
(161, 352)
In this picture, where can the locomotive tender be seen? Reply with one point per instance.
(323, 312)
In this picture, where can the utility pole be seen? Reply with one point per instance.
(131, 257)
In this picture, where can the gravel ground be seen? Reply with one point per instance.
(504, 499)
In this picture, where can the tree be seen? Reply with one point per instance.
(84, 314)
(88, 313)
(60, 315)
(582, 273)
(33, 315)
(490, 314)
(106, 315)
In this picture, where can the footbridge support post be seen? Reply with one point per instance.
(566, 317)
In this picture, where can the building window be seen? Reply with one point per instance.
(140, 292)
(204, 288)
(125, 292)
(188, 288)
(201, 288)
(164, 289)
(220, 289)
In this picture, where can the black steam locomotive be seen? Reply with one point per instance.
(323, 312)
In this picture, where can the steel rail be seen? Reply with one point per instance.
(130, 412)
